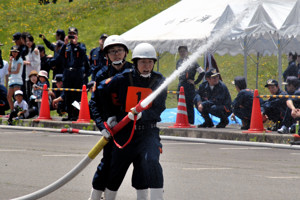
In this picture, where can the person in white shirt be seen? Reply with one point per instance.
(32, 62)
(15, 69)
(20, 108)
(4, 74)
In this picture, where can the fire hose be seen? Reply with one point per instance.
(84, 162)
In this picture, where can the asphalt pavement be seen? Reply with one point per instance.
(30, 160)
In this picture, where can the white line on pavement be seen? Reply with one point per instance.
(212, 168)
(65, 155)
(11, 150)
(284, 177)
(244, 148)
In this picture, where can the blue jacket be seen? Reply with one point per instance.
(219, 96)
(118, 87)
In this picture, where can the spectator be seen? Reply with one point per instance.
(55, 63)
(73, 56)
(59, 35)
(20, 42)
(20, 108)
(33, 61)
(45, 63)
(292, 69)
(116, 50)
(58, 102)
(213, 98)
(1, 60)
(97, 57)
(274, 108)
(4, 73)
(292, 84)
(4, 105)
(15, 69)
(32, 103)
(186, 80)
(242, 104)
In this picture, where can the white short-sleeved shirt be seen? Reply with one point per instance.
(23, 105)
(16, 78)
(3, 72)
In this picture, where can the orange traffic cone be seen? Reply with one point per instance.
(181, 117)
(256, 124)
(84, 113)
(45, 108)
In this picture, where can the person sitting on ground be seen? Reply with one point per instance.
(242, 104)
(292, 84)
(274, 108)
(38, 88)
(32, 104)
(213, 98)
(20, 108)
(58, 101)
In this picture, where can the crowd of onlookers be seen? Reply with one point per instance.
(29, 67)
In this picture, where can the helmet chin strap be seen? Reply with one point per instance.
(145, 75)
(119, 62)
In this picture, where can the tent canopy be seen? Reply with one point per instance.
(193, 22)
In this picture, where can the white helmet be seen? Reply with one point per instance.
(144, 50)
(114, 40)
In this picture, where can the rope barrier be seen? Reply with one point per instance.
(173, 92)
(280, 96)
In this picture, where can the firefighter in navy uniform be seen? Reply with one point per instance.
(187, 80)
(115, 50)
(73, 56)
(144, 149)
(213, 98)
(242, 104)
(274, 108)
(97, 57)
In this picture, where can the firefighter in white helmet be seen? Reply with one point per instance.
(144, 149)
(115, 50)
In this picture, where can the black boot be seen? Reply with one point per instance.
(207, 123)
(223, 123)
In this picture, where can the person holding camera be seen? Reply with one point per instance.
(73, 57)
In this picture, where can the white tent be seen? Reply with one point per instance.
(266, 27)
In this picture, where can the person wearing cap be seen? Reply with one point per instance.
(188, 82)
(97, 57)
(32, 62)
(15, 69)
(74, 59)
(55, 63)
(213, 98)
(20, 108)
(293, 105)
(115, 50)
(292, 69)
(242, 104)
(274, 108)
(59, 35)
(58, 100)
(143, 151)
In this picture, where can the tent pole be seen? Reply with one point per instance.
(257, 64)
(245, 57)
(279, 57)
(158, 62)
